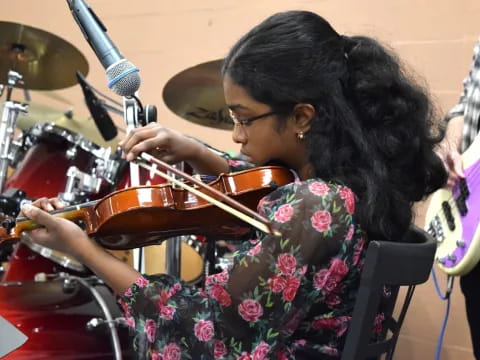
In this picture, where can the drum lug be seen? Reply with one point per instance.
(69, 284)
(95, 323)
(71, 152)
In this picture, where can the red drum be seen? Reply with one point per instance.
(47, 152)
(30, 260)
(63, 321)
(41, 163)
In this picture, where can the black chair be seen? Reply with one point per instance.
(393, 264)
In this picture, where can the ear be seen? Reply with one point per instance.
(303, 115)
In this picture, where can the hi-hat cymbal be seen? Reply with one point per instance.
(196, 94)
(45, 61)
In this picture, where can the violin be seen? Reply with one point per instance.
(146, 215)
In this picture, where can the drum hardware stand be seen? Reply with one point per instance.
(11, 109)
(134, 116)
(81, 184)
(70, 284)
(131, 110)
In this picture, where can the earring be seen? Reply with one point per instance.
(300, 135)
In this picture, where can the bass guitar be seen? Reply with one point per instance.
(453, 218)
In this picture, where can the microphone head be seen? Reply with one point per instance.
(123, 78)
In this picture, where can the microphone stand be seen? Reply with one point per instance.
(133, 119)
(131, 111)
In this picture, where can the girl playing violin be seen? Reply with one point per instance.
(341, 113)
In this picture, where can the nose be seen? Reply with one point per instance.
(239, 135)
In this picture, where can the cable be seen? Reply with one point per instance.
(445, 297)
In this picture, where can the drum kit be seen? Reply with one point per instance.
(65, 311)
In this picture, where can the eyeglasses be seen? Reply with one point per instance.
(249, 120)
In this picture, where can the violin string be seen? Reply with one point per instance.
(61, 211)
(254, 222)
(240, 207)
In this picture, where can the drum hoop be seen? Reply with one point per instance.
(48, 253)
(75, 139)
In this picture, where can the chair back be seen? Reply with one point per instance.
(392, 264)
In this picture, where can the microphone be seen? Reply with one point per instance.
(122, 75)
(102, 119)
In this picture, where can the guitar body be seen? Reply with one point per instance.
(453, 218)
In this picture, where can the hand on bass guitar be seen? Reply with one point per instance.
(453, 216)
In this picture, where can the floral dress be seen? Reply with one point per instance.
(288, 297)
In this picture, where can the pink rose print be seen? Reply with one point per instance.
(377, 323)
(277, 283)
(128, 292)
(300, 342)
(318, 188)
(202, 293)
(255, 250)
(303, 270)
(349, 234)
(172, 352)
(220, 294)
(320, 279)
(321, 220)
(124, 306)
(357, 253)
(261, 203)
(343, 322)
(286, 263)
(244, 356)
(174, 289)
(291, 290)
(331, 284)
(325, 323)
(150, 329)
(167, 312)
(156, 355)
(260, 351)
(219, 349)
(222, 277)
(350, 204)
(332, 300)
(141, 282)
(347, 195)
(338, 268)
(284, 213)
(130, 321)
(203, 330)
(250, 310)
(281, 355)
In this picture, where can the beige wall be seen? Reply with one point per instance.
(164, 37)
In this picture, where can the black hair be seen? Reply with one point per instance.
(374, 128)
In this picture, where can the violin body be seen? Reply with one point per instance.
(147, 215)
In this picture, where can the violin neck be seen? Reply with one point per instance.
(72, 213)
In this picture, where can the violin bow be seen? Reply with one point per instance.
(226, 203)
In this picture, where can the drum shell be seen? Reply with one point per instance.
(42, 162)
(25, 264)
(54, 320)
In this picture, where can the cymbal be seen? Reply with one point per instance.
(38, 113)
(45, 61)
(196, 94)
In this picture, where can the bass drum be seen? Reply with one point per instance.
(63, 321)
